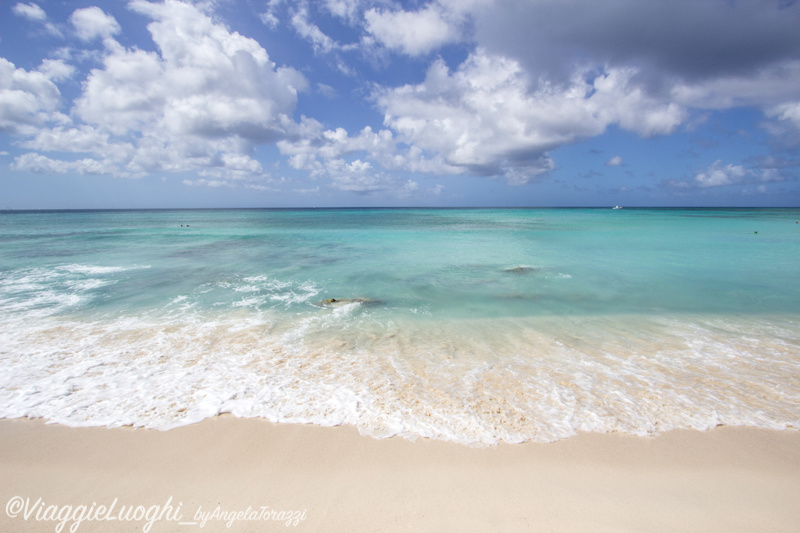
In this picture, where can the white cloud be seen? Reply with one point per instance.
(484, 118)
(233, 165)
(260, 188)
(326, 90)
(331, 155)
(345, 9)
(205, 96)
(270, 20)
(200, 103)
(92, 22)
(207, 183)
(311, 32)
(315, 142)
(29, 99)
(414, 32)
(321, 43)
(357, 176)
(30, 12)
(495, 115)
(56, 69)
(616, 98)
(789, 112)
(268, 17)
(68, 139)
(722, 175)
(127, 93)
(314, 190)
(750, 52)
(321, 151)
(35, 13)
(208, 81)
(410, 186)
(718, 175)
(40, 164)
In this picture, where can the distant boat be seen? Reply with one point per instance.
(617, 207)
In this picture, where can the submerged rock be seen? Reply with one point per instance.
(519, 270)
(522, 297)
(344, 301)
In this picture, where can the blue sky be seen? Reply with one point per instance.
(276, 103)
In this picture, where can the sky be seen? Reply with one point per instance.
(340, 103)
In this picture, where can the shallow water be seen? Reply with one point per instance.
(472, 325)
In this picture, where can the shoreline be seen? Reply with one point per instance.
(725, 479)
(472, 380)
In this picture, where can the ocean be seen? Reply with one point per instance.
(469, 325)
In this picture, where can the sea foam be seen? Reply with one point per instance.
(479, 384)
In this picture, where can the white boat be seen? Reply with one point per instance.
(617, 207)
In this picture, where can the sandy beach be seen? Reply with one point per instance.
(229, 474)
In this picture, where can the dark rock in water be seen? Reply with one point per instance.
(345, 301)
(519, 270)
(521, 297)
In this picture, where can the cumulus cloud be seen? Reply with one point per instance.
(324, 152)
(614, 161)
(413, 32)
(206, 81)
(201, 102)
(30, 11)
(69, 139)
(361, 163)
(92, 22)
(56, 69)
(789, 111)
(381, 25)
(30, 99)
(35, 13)
(357, 176)
(785, 122)
(718, 174)
(40, 164)
(345, 9)
(484, 119)
(693, 55)
(535, 82)
(314, 142)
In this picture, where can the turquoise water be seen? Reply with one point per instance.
(473, 325)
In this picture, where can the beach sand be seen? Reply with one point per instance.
(333, 479)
